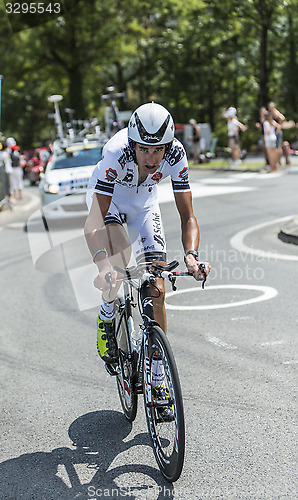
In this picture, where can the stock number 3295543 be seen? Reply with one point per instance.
(33, 8)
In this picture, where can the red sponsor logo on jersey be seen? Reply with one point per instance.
(111, 174)
(184, 173)
(157, 176)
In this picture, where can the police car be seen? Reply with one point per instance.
(64, 184)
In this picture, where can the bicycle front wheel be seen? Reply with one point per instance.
(127, 361)
(167, 434)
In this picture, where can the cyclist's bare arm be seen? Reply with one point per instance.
(98, 239)
(109, 245)
(95, 236)
(190, 234)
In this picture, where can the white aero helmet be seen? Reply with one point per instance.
(151, 124)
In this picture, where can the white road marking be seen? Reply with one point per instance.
(267, 293)
(242, 318)
(16, 225)
(220, 180)
(220, 343)
(237, 241)
(234, 178)
(292, 362)
(199, 190)
(257, 175)
(276, 342)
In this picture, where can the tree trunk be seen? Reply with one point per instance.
(210, 102)
(263, 89)
(292, 72)
(75, 92)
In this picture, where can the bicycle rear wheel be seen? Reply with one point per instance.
(167, 437)
(127, 362)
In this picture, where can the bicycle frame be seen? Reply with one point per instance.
(148, 321)
(141, 348)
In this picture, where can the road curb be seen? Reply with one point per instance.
(289, 231)
(29, 203)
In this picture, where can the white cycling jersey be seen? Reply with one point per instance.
(116, 175)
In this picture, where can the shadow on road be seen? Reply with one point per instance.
(98, 438)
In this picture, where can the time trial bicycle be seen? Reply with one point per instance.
(136, 368)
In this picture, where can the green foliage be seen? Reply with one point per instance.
(196, 57)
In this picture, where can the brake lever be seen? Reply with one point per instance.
(108, 278)
(203, 271)
(172, 280)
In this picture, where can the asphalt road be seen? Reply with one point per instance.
(63, 433)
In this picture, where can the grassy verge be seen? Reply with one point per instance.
(222, 163)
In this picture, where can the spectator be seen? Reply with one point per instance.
(260, 125)
(271, 130)
(279, 118)
(45, 153)
(234, 127)
(36, 157)
(286, 151)
(23, 162)
(17, 173)
(8, 172)
(49, 146)
(195, 138)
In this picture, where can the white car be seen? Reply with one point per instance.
(64, 184)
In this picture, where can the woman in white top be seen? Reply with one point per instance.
(271, 129)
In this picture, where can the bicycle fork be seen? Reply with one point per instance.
(146, 371)
(148, 322)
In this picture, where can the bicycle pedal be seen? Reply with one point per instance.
(163, 404)
(164, 421)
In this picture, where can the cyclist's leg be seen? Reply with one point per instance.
(149, 246)
(118, 247)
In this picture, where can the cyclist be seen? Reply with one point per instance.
(125, 182)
